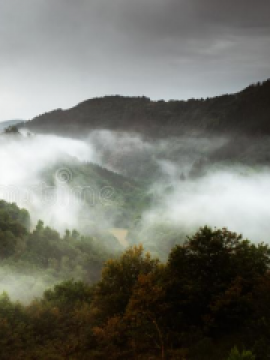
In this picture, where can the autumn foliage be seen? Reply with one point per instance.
(210, 300)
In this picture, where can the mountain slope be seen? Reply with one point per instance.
(247, 112)
(103, 198)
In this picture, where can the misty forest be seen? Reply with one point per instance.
(134, 180)
(146, 241)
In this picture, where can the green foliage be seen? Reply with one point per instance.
(112, 196)
(69, 294)
(119, 277)
(65, 257)
(13, 222)
(212, 293)
(45, 253)
(212, 277)
(12, 130)
(237, 355)
(12, 213)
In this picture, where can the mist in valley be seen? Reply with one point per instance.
(190, 188)
(184, 189)
(25, 162)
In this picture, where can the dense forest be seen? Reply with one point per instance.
(243, 113)
(35, 259)
(208, 300)
(134, 180)
(167, 287)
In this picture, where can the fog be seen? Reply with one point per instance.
(24, 158)
(187, 189)
(221, 195)
(24, 162)
(228, 198)
(24, 285)
(151, 159)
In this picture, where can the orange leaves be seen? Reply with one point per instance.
(110, 331)
(146, 294)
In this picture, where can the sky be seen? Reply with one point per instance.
(56, 53)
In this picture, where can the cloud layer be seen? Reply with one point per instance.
(57, 53)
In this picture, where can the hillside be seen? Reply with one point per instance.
(33, 260)
(246, 112)
(135, 307)
(105, 197)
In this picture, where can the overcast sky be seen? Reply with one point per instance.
(56, 53)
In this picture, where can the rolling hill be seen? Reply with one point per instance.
(246, 112)
(108, 197)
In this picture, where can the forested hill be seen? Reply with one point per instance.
(247, 112)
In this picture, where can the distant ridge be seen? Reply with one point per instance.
(246, 112)
(5, 124)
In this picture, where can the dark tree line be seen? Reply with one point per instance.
(209, 300)
(245, 113)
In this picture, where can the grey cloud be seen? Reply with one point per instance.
(54, 53)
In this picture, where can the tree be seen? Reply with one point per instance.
(237, 355)
(12, 130)
(119, 277)
(146, 312)
(212, 271)
(68, 294)
(12, 230)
